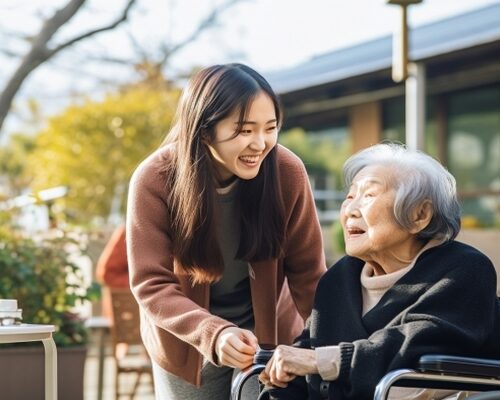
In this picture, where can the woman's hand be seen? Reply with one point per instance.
(236, 347)
(286, 364)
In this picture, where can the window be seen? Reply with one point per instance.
(323, 152)
(393, 122)
(472, 146)
(473, 153)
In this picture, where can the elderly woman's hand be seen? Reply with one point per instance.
(286, 364)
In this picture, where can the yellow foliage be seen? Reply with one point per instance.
(469, 221)
(93, 148)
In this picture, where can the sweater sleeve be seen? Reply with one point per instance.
(304, 261)
(454, 316)
(151, 262)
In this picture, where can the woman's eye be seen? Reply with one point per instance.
(245, 132)
(271, 129)
(346, 202)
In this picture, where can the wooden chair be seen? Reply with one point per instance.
(125, 332)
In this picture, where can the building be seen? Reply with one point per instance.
(348, 96)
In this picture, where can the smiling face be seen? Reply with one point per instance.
(242, 155)
(370, 229)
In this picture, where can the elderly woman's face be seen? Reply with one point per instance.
(370, 230)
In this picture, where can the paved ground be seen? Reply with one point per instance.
(145, 391)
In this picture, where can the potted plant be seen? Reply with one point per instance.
(42, 275)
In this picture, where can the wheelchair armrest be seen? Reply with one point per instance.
(459, 365)
(445, 372)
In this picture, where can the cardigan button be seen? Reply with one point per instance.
(323, 389)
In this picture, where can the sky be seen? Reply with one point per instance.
(269, 35)
(276, 34)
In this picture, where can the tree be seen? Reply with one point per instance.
(13, 162)
(41, 48)
(93, 148)
(319, 154)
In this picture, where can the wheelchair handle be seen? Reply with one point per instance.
(260, 360)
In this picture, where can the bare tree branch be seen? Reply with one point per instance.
(83, 73)
(39, 51)
(145, 61)
(143, 54)
(206, 23)
(111, 60)
(93, 32)
(10, 53)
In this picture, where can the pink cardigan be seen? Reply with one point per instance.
(176, 327)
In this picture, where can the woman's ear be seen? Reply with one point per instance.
(421, 216)
(204, 137)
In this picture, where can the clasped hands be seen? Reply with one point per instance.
(236, 347)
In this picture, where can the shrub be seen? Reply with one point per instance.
(48, 285)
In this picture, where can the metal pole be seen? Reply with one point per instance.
(400, 48)
(415, 106)
(414, 76)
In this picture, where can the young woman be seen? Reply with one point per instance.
(224, 244)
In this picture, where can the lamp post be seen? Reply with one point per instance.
(400, 41)
(413, 74)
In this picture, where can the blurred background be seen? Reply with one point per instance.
(88, 88)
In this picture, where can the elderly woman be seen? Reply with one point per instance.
(406, 287)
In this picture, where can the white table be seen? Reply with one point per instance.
(31, 333)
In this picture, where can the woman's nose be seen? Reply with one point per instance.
(258, 142)
(351, 209)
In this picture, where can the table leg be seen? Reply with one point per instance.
(100, 368)
(50, 369)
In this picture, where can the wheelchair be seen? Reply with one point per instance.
(433, 371)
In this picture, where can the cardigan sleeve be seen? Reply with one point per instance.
(304, 261)
(153, 281)
(454, 316)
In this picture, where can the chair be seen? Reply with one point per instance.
(433, 371)
(125, 332)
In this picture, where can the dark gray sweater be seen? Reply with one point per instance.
(445, 304)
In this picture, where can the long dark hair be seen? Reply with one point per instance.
(211, 95)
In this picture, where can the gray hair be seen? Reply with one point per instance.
(418, 177)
